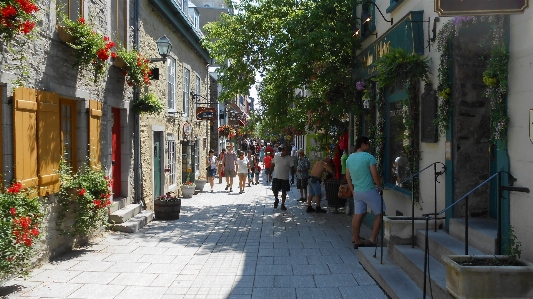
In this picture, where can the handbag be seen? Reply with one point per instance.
(345, 191)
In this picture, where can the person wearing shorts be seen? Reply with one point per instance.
(281, 165)
(302, 174)
(315, 187)
(364, 181)
(230, 163)
(211, 168)
(268, 165)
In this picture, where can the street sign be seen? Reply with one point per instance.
(449, 8)
(204, 113)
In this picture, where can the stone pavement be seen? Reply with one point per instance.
(223, 246)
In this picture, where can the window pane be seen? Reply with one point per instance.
(74, 9)
(399, 170)
(171, 70)
(186, 89)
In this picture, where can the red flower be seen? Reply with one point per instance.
(28, 241)
(106, 38)
(102, 54)
(97, 203)
(81, 192)
(109, 45)
(124, 73)
(113, 55)
(15, 188)
(27, 6)
(26, 27)
(13, 211)
(9, 11)
(34, 232)
(81, 20)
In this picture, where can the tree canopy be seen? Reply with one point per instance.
(293, 44)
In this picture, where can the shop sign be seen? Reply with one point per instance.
(449, 8)
(204, 113)
(186, 129)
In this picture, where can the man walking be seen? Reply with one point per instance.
(281, 165)
(364, 181)
(229, 164)
(302, 174)
(315, 187)
(268, 167)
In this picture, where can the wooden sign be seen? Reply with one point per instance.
(449, 8)
(204, 113)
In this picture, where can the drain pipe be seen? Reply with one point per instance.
(137, 184)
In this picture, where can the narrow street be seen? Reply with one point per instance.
(223, 246)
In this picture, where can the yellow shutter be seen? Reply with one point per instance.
(95, 120)
(24, 132)
(48, 142)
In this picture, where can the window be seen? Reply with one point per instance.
(73, 9)
(186, 89)
(396, 166)
(368, 27)
(171, 70)
(198, 83)
(171, 158)
(119, 25)
(68, 130)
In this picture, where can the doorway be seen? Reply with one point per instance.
(116, 163)
(157, 164)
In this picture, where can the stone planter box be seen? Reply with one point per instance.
(398, 228)
(187, 191)
(167, 210)
(64, 36)
(488, 281)
(200, 184)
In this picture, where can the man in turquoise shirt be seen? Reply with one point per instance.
(363, 178)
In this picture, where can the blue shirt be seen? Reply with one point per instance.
(359, 166)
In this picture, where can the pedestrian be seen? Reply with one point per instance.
(315, 181)
(364, 181)
(257, 170)
(211, 168)
(229, 165)
(220, 168)
(302, 174)
(262, 155)
(243, 168)
(251, 161)
(281, 165)
(268, 165)
(269, 149)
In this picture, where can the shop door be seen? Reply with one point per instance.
(116, 153)
(157, 165)
(187, 162)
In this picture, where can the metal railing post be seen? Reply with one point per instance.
(466, 226)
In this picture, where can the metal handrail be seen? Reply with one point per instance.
(498, 237)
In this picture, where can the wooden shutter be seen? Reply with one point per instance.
(48, 142)
(95, 121)
(25, 136)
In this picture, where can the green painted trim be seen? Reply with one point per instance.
(393, 5)
(175, 16)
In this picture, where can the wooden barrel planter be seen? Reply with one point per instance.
(167, 210)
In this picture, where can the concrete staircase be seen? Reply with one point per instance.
(128, 217)
(401, 274)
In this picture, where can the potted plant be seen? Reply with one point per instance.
(134, 66)
(92, 50)
(490, 276)
(200, 182)
(167, 207)
(227, 131)
(21, 215)
(187, 189)
(17, 17)
(148, 103)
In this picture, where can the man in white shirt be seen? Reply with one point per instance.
(280, 173)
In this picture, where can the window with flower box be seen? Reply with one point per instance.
(119, 24)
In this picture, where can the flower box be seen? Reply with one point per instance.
(488, 281)
(64, 36)
(120, 63)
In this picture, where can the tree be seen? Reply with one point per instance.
(292, 44)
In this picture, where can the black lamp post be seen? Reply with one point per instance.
(163, 48)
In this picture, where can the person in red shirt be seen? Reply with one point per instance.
(268, 164)
(269, 149)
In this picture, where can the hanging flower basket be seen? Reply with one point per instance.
(64, 35)
(16, 17)
(135, 67)
(120, 63)
(148, 103)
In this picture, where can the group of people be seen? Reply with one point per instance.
(282, 163)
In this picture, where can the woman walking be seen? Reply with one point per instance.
(211, 168)
(243, 167)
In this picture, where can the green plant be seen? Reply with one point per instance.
(16, 17)
(92, 50)
(168, 197)
(190, 181)
(513, 248)
(85, 193)
(21, 214)
(148, 103)
(137, 71)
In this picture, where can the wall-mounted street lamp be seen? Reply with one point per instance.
(163, 47)
(356, 30)
(368, 16)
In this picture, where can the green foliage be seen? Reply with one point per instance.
(400, 66)
(148, 103)
(84, 194)
(292, 44)
(513, 248)
(21, 214)
(137, 70)
(17, 17)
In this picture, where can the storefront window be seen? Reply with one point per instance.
(397, 168)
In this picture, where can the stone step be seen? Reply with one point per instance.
(390, 277)
(118, 203)
(482, 233)
(411, 260)
(124, 214)
(135, 223)
(440, 243)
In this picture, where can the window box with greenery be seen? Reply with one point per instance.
(16, 17)
(134, 66)
(148, 103)
(20, 219)
(92, 50)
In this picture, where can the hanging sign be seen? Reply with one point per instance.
(186, 129)
(450, 8)
(204, 113)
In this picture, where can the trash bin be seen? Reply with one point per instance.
(332, 189)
